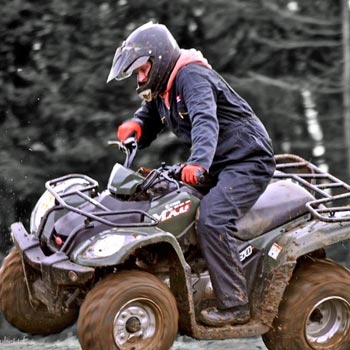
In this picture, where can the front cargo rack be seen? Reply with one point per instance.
(104, 212)
(331, 195)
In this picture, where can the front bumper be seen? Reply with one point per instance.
(55, 269)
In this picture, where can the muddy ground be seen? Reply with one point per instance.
(182, 343)
(11, 339)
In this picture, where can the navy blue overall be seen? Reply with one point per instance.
(230, 142)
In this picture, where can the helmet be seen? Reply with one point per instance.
(150, 42)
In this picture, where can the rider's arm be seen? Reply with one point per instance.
(200, 98)
(149, 119)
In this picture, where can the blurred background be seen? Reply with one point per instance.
(289, 59)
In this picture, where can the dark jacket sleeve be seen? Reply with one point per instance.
(149, 119)
(199, 97)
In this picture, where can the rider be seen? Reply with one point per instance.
(228, 143)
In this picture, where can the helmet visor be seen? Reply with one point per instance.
(134, 66)
(125, 62)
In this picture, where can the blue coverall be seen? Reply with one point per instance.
(229, 141)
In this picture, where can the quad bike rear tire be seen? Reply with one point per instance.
(129, 310)
(315, 311)
(16, 306)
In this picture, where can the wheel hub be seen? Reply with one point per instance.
(133, 325)
(327, 321)
(136, 319)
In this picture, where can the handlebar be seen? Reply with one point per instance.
(175, 172)
(171, 172)
(129, 147)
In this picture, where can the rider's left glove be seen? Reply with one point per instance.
(191, 174)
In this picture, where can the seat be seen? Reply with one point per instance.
(281, 202)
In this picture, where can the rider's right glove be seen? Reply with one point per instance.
(127, 130)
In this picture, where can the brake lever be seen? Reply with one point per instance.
(168, 175)
(129, 147)
(174, 171)
(130, 142)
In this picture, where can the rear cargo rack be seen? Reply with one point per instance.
(100, 216)
(332, 195)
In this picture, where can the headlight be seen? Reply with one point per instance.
(45, 202)
(104, 246)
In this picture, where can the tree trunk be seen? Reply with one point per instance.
(346, 78)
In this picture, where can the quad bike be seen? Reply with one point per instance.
(126, 260)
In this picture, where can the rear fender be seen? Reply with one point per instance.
(313, 236)
(283, 252)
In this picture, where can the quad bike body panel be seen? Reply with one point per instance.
(144, 224)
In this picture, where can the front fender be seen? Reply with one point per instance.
(132, 239)
(179, 270)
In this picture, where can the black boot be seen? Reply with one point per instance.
(218, 318)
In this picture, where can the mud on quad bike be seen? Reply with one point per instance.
(127, 259)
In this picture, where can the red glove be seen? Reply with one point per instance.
(128, 128)
(191, 173)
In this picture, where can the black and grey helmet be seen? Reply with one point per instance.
(150, 42)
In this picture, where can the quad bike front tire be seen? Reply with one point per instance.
(315, 311)
(129, 310)
(18, 309)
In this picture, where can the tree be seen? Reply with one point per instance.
(346, 75)
(285, 48)
(57, 113)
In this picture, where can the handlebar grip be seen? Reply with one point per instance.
(176, 172)
(201, 179)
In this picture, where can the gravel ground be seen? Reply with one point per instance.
(12, 339)
(181, 343)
